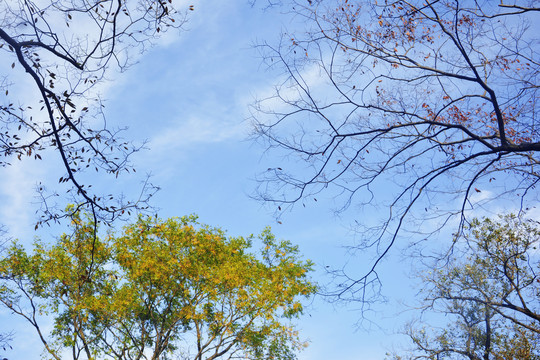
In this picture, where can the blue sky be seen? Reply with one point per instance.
(189, 97)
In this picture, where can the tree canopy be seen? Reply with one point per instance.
(489, 290)
(424, 109)
(160, 289)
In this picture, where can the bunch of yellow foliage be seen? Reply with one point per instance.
(162, 288)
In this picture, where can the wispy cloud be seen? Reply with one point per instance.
(194, 131)
(17, 191)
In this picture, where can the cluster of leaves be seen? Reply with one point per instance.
(161, 288)
(490, 289)
(411, 106)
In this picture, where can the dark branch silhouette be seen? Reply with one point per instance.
(66, 49)
(423, 109)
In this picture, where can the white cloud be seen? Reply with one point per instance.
(196, 130)
(17, 191)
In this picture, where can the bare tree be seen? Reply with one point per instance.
(418, 108)
(64, 50)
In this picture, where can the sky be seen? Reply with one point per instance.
(189, 97)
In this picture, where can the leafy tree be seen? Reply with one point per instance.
(61, 51)
(489, 288)
(161, 289)
(421, 108)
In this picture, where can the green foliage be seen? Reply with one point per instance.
(159, 286)
(489, 288)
